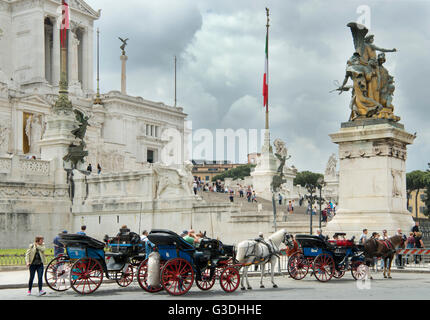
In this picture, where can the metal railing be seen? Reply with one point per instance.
(17, 259)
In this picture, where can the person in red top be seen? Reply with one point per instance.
(294, 249)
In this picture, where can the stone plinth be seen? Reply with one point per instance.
(265, 170)
(372, 178)
(56, 141)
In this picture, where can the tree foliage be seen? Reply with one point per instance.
(307, 178)
(239, 172)
(416, 181)
(427, 193)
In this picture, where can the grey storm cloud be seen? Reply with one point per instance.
(220, 49)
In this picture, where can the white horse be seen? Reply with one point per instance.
(252, 252)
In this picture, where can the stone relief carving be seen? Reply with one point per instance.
(171, 181)
(35, 167)
(4, 138)
(397, 182)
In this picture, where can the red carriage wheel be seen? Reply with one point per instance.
(298, 266)
(177, 276)
(229, 279)
(207, 282)
(124, 279)
(57, 274)
(359, 270)
(142, 278)
(323, 267)
(86, 275)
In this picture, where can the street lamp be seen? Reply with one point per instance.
(320, 185)
(310, 197)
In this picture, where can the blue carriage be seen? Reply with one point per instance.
(85, 262)
(181, 263)
(326, 259)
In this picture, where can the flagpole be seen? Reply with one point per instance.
(98, 99)
(175, 83)
(267, 62)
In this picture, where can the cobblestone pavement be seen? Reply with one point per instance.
(402, 286)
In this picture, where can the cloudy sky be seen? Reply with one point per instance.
(220, 50)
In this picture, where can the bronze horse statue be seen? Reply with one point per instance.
(385, 249)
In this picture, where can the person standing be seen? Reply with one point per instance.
(410, 244)
(290, 207)
(363, 237)
(399, 260)
(58, 246)
(35, 259)
(90, 168)
(195, 187)
(99, 168)
(418, 244)
(416, 227)
(82, 232)
(280, 199)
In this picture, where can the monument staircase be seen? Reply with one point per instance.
(296, 223)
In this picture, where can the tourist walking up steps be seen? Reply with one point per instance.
(35, 259)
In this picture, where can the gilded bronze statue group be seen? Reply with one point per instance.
(373, 86)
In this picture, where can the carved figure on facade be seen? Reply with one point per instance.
(176, 181)
(330, 170)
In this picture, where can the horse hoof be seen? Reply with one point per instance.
(390, 277)
(243, 289)
(261, 287)
(275, 286)
(249, 288)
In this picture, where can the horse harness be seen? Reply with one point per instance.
(387, 243)
(263, 259)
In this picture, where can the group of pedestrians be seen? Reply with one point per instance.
(90, 168)
(414, 240)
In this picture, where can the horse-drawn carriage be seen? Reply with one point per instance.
(85, 262)
(326, 258)
(180, 263)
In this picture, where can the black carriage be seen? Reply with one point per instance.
(86, 262)
(181, 263)
(326, 258)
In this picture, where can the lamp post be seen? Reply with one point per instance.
(320, 185)
(310, 197)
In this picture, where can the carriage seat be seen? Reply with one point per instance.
(306, 240)
(342, 243)
(114, 254)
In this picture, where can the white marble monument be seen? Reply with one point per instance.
(372, 177)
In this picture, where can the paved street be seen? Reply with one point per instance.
(402, 286)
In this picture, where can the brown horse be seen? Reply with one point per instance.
(385, 249)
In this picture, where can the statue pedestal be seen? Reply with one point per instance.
(266, 169)
(372, 178)
(56, 141)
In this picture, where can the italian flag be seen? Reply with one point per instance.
(266, 75)
(65, 22)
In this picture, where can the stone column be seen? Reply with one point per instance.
(372, 178)
(124, 59)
